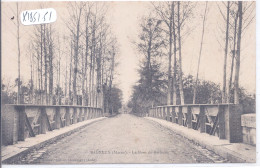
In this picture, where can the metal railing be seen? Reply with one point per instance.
(22, 121)
(222, 120)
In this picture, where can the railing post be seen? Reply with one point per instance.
(21, 128)
(233, 127)
(189, 117)
(161, 113)
(85, 113)
(43, 121)
(173, 114)
(67, 116)
(180, 116)
(57, 118)
(75, 117)
(221, 121)
(202, 119)
(90, 112)
(167, 113)
(80, 113)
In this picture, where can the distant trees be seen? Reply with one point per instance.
(116, 96)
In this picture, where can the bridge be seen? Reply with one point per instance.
(52, 134)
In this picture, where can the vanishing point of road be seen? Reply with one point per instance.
(124, 138)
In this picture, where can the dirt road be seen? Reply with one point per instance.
(122, 139)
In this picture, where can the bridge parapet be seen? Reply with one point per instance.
(22, 121)
(222, 120)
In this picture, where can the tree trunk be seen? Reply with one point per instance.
(45, 65)
(19, 56)
(197, 76)
(175, 59)
(51, 68)
(225, 57)
(41, 90)
(76, 49)
(180, 62)
(232, 61)
(169, 94)
(70, 94)
(236, 82)
(86, 67)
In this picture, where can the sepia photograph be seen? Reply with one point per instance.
(128, 82)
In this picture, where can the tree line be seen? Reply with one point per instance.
(74, 66)
(162, 33)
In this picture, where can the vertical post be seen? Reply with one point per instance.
(221, 121)
(85, 113)
(80, 113)
(67, 116)
(43, 121)
(57, 118)
(173, 114)
(180, 116)
(234, 123)
(21, 128)
(189, 117)
(202, 119)
(164, 113)
(161, 113)
(90, 113)
(75, 116)
(167, 113)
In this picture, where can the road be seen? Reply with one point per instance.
(122, 139)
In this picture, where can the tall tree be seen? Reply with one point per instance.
(201, 44)
(166, 12)
(236, 82)
(19, 54)
(225, 56)
(180, 56)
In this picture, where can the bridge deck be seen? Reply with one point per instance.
(122, 139)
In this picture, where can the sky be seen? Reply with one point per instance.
(124, 18)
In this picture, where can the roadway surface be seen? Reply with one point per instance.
(122, 139)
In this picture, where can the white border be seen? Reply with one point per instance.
(244, 165)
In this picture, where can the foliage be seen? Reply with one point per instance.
(115, 99)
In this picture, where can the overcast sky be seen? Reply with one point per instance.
(124, 18)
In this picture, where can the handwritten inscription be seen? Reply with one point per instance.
(39, 16)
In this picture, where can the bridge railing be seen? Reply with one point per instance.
(222, 120)
(22, 121)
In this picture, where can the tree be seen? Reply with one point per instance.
(75, 11)
(166, 12)
(236, 82)
(149, 90)
(242, 16)
(196, 82)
